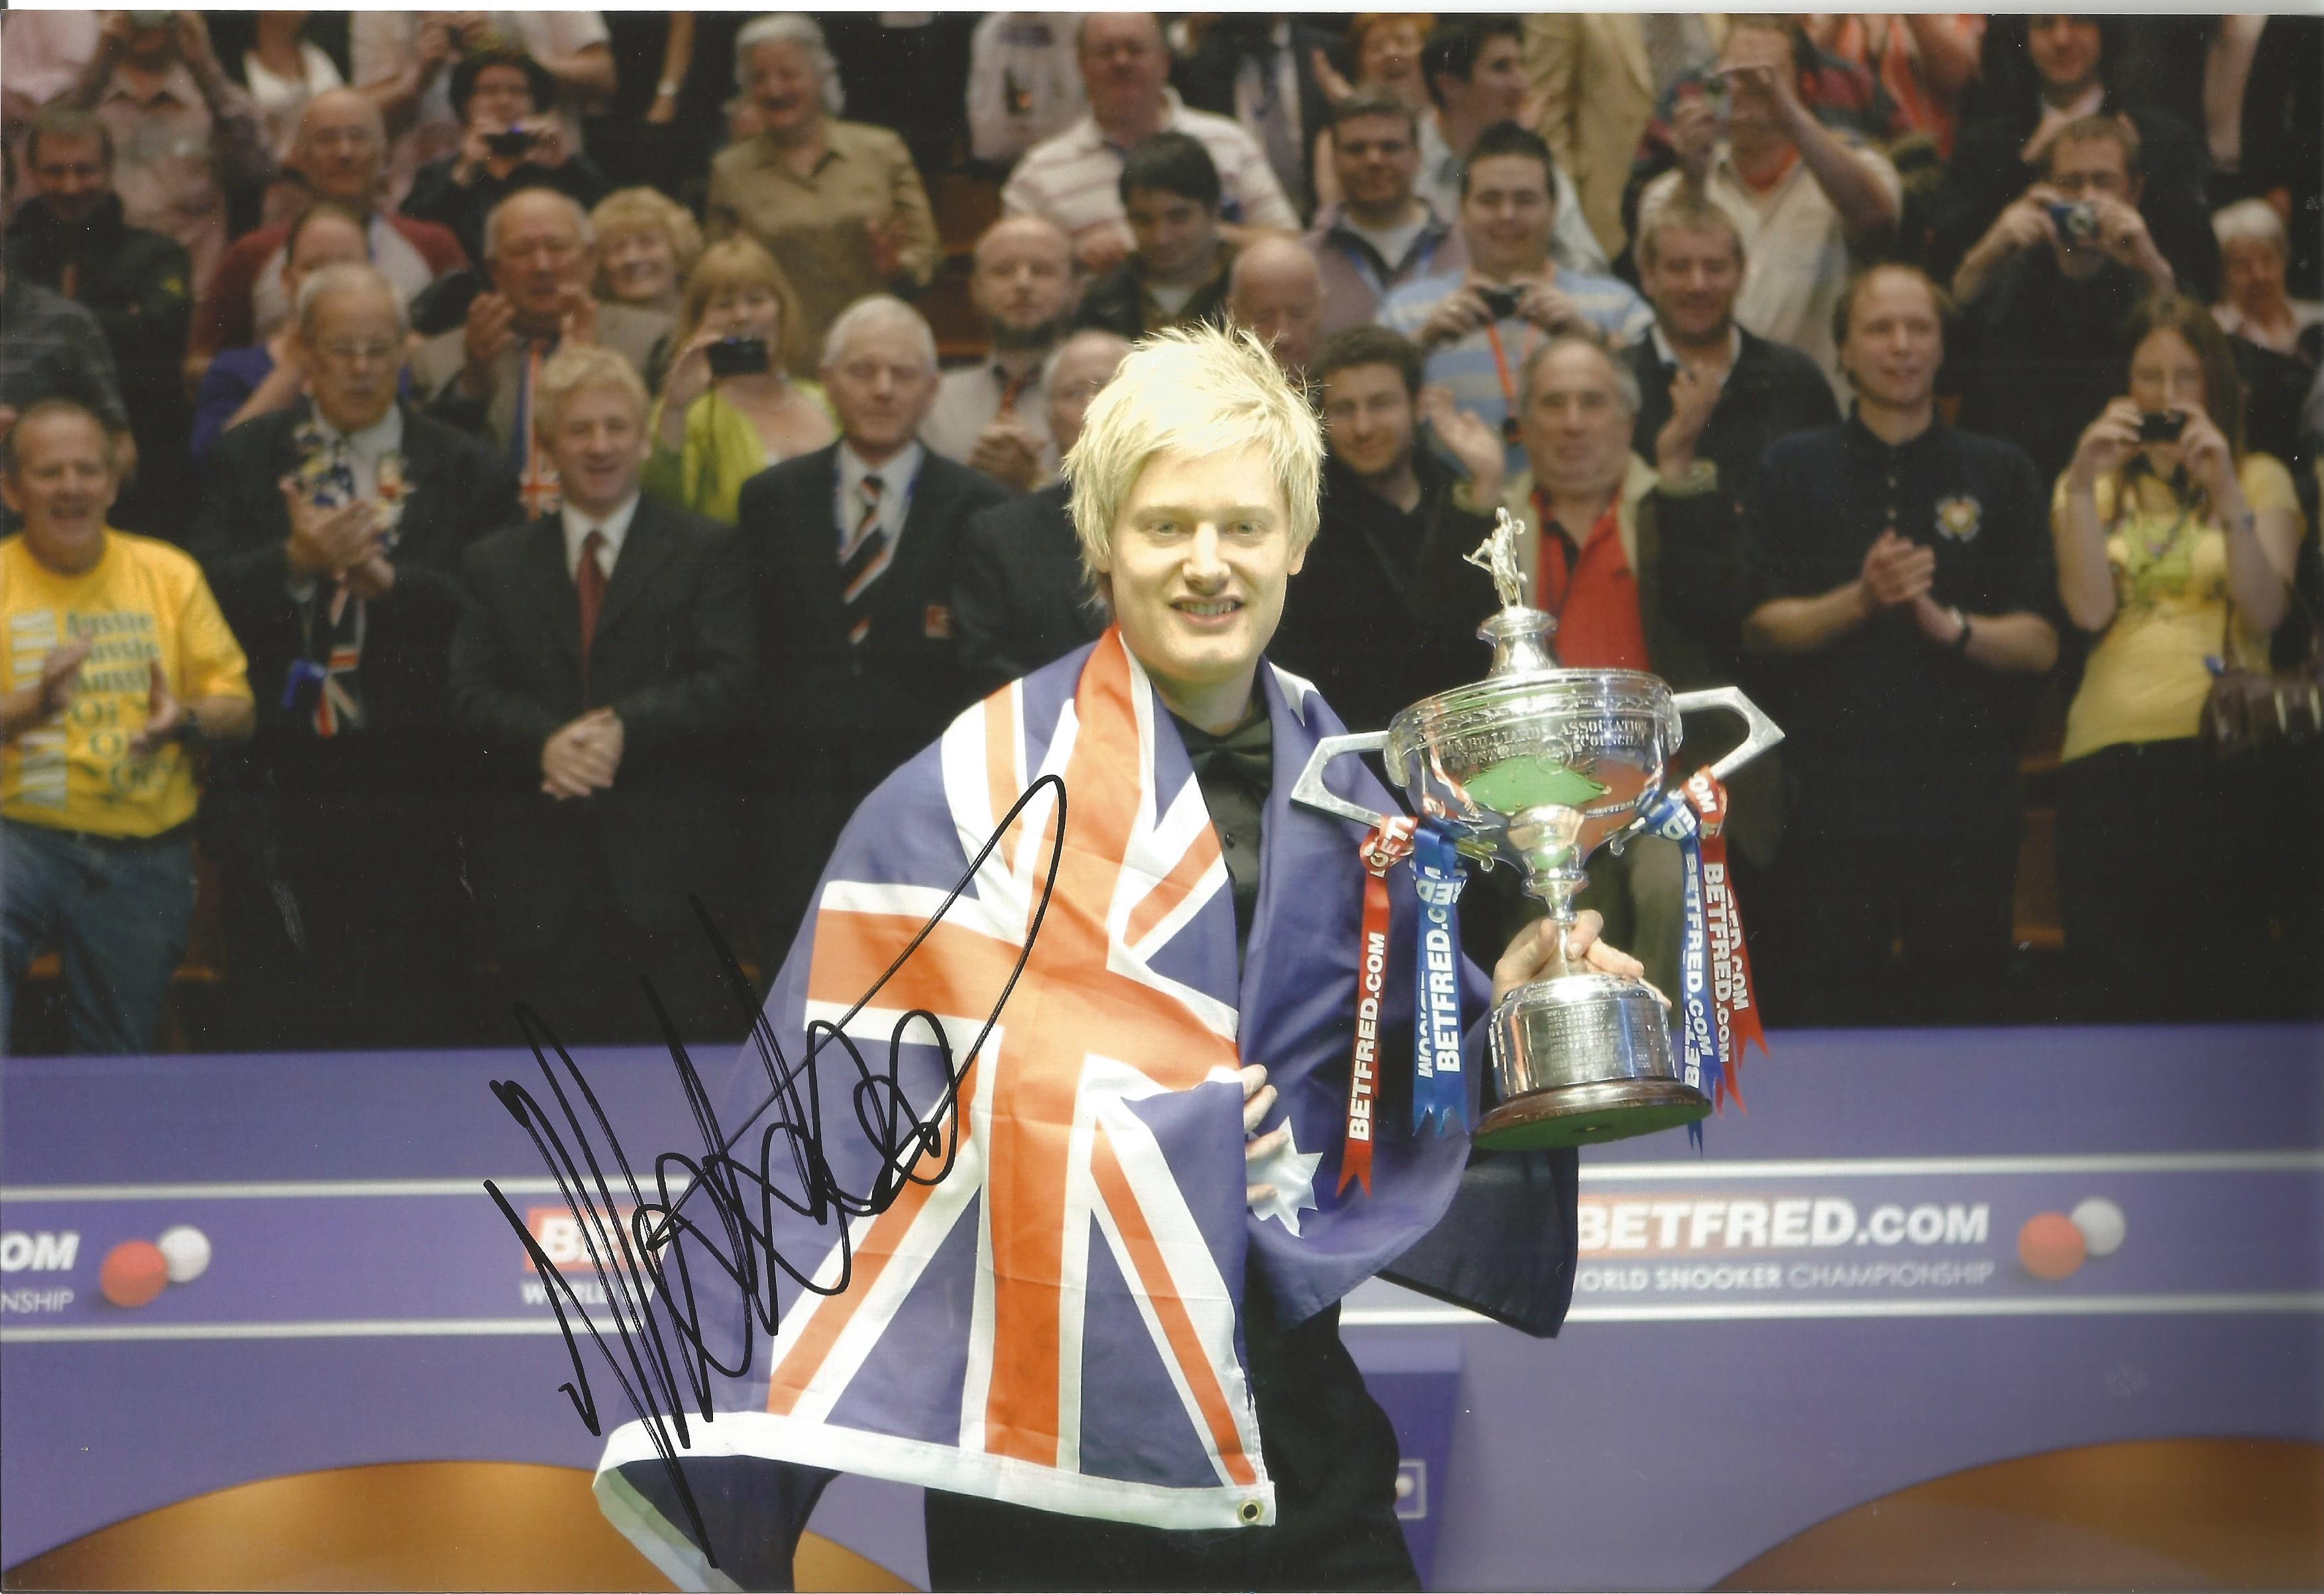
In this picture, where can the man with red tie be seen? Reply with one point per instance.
(602, 661)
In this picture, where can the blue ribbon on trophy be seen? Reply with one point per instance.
(1672, 817)
(1439, 1087)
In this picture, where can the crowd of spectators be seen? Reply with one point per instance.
(481, 482)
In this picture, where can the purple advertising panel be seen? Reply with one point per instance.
(1916, 1254)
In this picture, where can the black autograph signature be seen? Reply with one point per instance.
(663, 1363)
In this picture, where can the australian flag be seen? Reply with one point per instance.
(1055, 1319)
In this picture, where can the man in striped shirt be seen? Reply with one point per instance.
(1072, 180)
(1479, 326)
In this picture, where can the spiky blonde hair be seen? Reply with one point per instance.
(1197, 391)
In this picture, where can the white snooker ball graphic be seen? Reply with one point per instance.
(2099, 1219)
(187, 1251)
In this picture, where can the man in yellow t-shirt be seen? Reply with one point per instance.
(117, 660)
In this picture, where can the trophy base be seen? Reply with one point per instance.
(1581, 1058)
(1592, 1114)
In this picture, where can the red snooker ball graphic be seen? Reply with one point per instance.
(134, 1272)
(2050, 1245)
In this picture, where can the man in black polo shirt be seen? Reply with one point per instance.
(1709, 391)
(1902, 571)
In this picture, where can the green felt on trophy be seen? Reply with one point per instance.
(1530, 781)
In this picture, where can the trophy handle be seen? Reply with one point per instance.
(1311, 791)
(1764, 732)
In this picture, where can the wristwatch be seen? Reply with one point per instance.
(189, 728)
(667, 89)
(1961, 640)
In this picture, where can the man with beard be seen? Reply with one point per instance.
(993, 415)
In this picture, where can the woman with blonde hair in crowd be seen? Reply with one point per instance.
(647, 245)
(2175, 549)
(728, 409)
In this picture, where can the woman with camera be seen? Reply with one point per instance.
(511, 139)
(728, 408)
(2175, 550)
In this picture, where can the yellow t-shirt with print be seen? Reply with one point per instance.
(2146, 680)
(141, 601)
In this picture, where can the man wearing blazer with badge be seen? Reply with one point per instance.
(604, 663)
(332, 533)
(851, 551)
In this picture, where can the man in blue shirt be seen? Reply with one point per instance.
(1479, 326)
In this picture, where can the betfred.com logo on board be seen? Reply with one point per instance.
(1638, 1244)
(563, 1240)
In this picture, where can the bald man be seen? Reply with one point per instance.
(993, 415)
(1277, 289)
(1020, 598)
(340, 152)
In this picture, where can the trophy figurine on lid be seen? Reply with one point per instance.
(1538, 767)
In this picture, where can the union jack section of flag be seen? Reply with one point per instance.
(1054, 1321)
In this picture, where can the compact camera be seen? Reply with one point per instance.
(2077, 223)
(738, 356)
(2162, 425)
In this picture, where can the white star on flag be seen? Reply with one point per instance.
(1292, 1172)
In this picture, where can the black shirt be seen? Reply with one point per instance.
(1885, 732)
(2040, 353)
(1384, 612)
(1772, 391)
(1235, 772)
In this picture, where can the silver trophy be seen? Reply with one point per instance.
(1538, 767)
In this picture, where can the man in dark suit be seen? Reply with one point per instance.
(1709, 392)
(1021, 598)
(1259, 69)
(1385, 613)
(851, 551)
(332, 533)
(602, 662)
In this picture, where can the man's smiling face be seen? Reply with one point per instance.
(1202, 552)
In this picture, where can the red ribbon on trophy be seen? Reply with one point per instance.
(1734, 1008)
(1388, 845)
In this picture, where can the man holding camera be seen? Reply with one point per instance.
(1479, 326)
(1802, 197)
(480, 376)
(186, 137)
(2046, 294)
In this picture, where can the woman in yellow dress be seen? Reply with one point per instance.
(2175, 551)
(713, 432)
